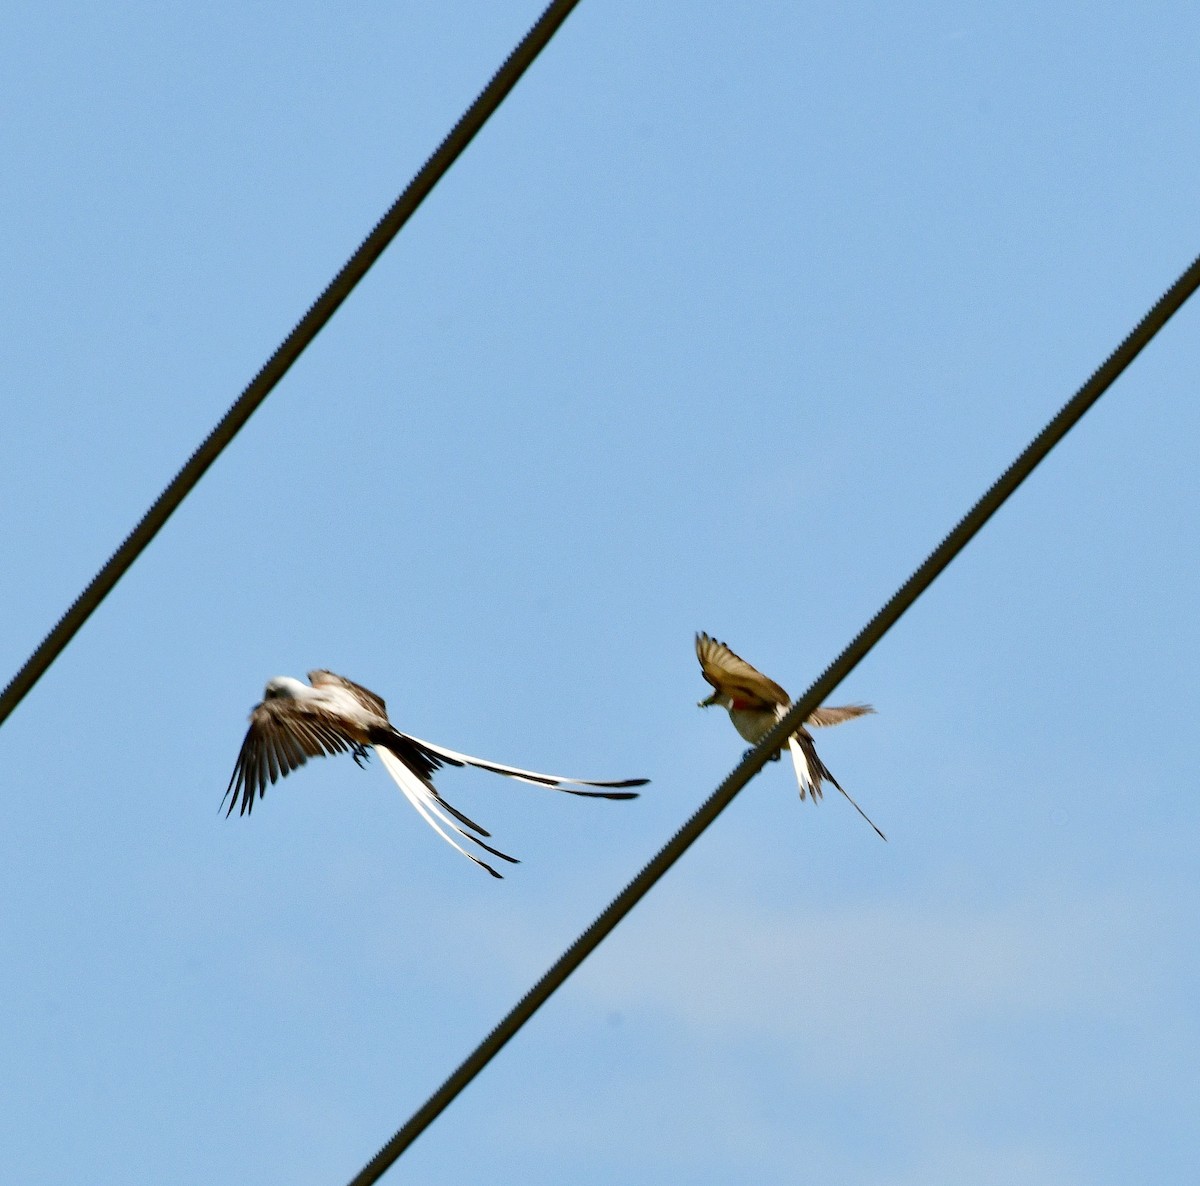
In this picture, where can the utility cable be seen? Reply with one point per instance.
(753, 762)
(463, 132)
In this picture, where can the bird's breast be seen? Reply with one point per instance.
(752, 723)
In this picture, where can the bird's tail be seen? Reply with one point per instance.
(835, 714)
(807, 765)
(436, 812)
(556, 782)
(810, 770)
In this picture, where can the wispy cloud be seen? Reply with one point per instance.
(940, 1039)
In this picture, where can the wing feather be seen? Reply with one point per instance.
(731, 674)
(283, 735)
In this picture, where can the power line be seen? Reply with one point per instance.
(753, 762)
(372, 247)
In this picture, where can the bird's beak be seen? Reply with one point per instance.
(707, 703)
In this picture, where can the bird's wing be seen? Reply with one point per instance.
(283, 735)
(827, 714)
(367, 698)
(429, 805)
(732, 675)
(557, 782)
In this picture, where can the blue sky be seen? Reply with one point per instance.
(720, 324)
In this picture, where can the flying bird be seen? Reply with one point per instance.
(296, 721)
(756, 703)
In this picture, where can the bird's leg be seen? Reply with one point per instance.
(773, 758)
(360, 754)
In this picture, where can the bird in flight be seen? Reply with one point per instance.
(331, 714)
(756, 703)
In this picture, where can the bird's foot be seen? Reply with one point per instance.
(361, 754)
(773, 758)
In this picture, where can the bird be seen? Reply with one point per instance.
(755, 703)
(331, 714)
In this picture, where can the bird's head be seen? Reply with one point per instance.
(282, 687)
(710, 702)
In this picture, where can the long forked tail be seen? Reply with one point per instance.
(433, 810)
(810, 770)
(856, 807)
(556, 782)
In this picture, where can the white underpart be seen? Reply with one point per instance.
(752, 724)
(418, 795)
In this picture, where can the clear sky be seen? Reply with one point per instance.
(721, 323)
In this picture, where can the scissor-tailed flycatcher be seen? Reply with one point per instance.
(756, 703)
(296, 722)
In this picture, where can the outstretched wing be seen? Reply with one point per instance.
(556, 782)
(827, 714)
(732, 675)
(283, 735)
